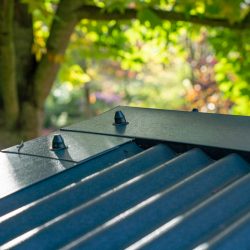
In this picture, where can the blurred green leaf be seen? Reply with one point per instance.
(148, 15)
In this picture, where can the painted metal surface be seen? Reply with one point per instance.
(133, 199)
(236, 236)
(19, 171)
(169, 204)
(37, 162)
(11, 181)
(80, 146)
(70, 197)
(205, 219)
(213, 130)
(149, 198)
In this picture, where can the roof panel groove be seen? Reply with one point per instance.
(236, 236)
(203, 220)
(192, 190)
(56, 182)
(86, 189)
(87, 217)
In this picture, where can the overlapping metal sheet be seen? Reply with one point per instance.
(133, 196)
(200, 129)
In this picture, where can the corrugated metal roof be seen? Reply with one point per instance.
(36, 161)
(137, 194)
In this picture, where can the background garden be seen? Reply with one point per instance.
(65, 61)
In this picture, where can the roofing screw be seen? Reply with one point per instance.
(19, 146)
(120, 118)
(195, 110)
(58, 143)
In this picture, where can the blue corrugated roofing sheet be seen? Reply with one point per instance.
(147, 194)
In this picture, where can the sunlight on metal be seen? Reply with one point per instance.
(7, 176)
(203, 246)
(127, 213)
(155, 234)
(19, 239)
(102, 196)
(32, 232)
(26, 207)
(113, 221)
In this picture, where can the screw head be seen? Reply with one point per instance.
(58, 143)
(120, 118)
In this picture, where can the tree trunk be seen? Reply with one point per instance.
(7, 65)
(29, 120)
(26, 83)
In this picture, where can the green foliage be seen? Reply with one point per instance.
(148, 16)
(233, 73)
(136, 45)
(43, 12)
(63, 106)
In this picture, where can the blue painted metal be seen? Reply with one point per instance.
(169, 204)
(117, 200)
(55, 182)
(205, 219)
(236, 236)
(124, 195)
(72, 196)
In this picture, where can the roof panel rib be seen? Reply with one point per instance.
(132, 195)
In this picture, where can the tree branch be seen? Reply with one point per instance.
(246, 21)
(96, 13)
(62, 27)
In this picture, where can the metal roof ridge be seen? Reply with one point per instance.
(194, 128)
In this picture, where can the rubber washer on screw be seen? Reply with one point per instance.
(120, 119)
(58, 143)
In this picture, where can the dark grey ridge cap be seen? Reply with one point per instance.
(194, 128)
(35, 177)
(20, 170)
(79, 146)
